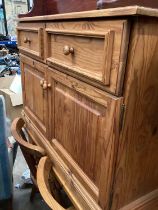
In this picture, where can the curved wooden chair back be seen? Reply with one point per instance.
(43, 173)
(32, 153)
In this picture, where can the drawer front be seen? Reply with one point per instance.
(92, 49)
(84, 131)
(30, 39)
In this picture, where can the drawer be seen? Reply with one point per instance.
(94, 50)
(30, 39)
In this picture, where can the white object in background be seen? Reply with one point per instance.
(16, 85)
(13, 38)
(26, 176)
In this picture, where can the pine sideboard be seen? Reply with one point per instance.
(90, 93)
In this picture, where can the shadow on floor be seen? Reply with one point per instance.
(21, 201)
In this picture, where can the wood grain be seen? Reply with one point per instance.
(75, 190)
(136, 169)
(16, 129)
(147, 202)
(34, 97)
(32, 153)
(85, 127)
(113, 12)
(43, 176)
(30, 39)
(103, 147)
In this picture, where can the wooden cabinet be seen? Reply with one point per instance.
(91, 102)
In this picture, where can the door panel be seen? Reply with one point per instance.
(34, 97)
(85, 131)
(77, 120)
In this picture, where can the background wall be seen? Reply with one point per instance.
(13, 8)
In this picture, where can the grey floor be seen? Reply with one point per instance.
(21, 196)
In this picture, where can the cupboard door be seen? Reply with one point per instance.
(34, 96)
(84, 132)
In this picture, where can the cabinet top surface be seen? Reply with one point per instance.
(113, 12)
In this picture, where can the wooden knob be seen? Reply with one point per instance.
(45, 85)
(26, 40)
(68, 50)
(42, 82)
(49, 85)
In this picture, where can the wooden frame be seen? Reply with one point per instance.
(31, 153)
(43, 171)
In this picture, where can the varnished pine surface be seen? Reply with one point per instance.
(114, 12)
(100, 50)
(136, 168)
(96, 115)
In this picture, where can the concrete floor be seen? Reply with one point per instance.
(21, 196)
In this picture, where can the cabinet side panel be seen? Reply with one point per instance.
(136, 169)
